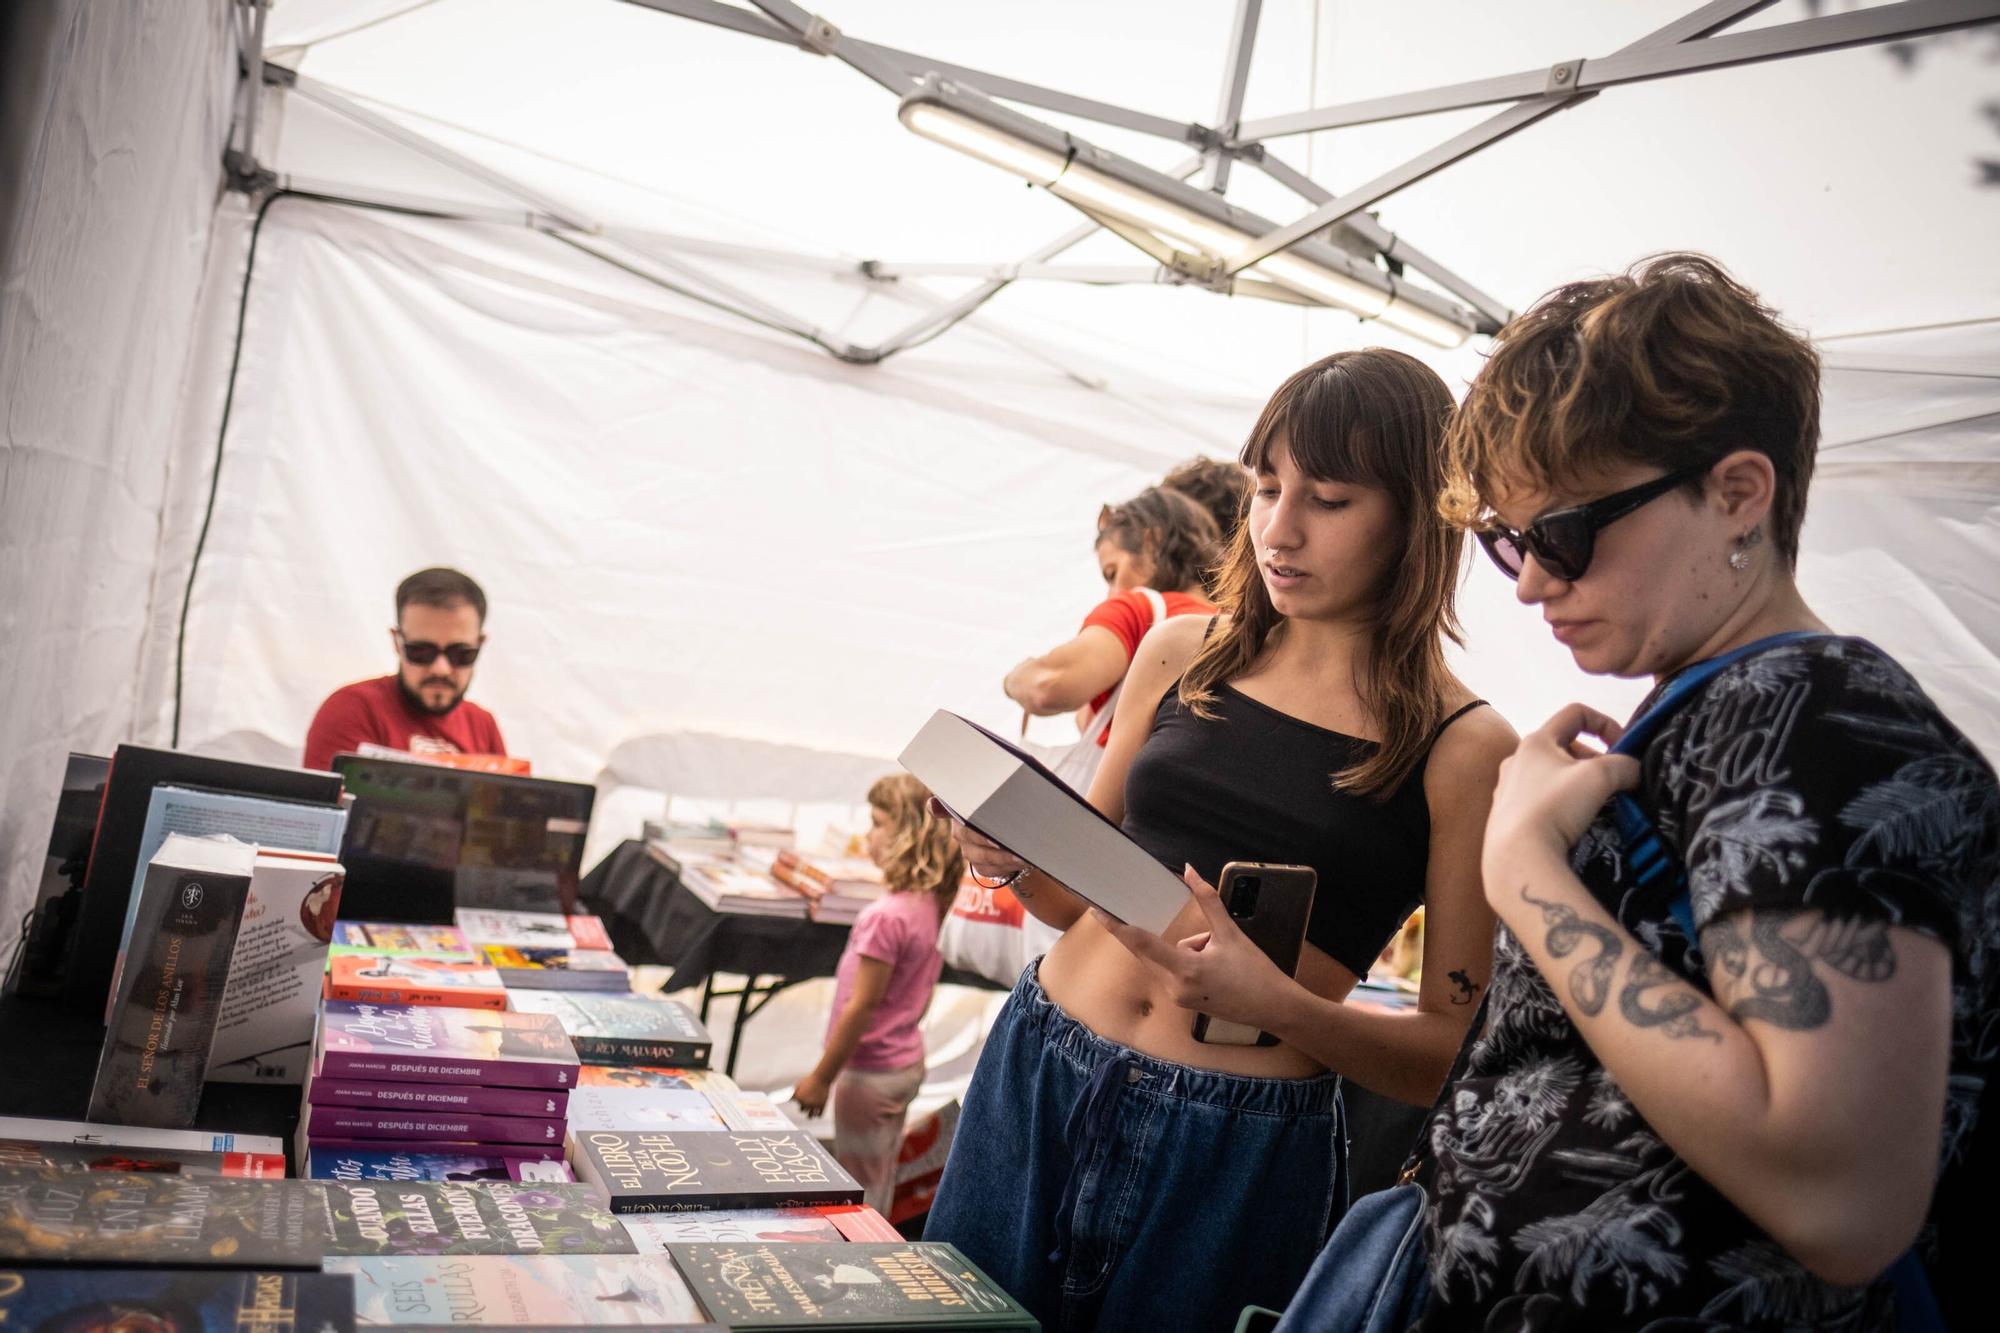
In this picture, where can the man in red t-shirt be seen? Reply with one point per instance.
(440, 629)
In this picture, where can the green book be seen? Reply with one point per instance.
(787, 1288)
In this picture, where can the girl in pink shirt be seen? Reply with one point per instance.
(874, 1058)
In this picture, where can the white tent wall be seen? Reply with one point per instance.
(692, 526)
(116, 118)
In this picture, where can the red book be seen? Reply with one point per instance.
(400, 979)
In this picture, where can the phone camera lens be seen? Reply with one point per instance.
(1243, 902)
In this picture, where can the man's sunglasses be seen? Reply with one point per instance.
(1563, 540)
(418, 652)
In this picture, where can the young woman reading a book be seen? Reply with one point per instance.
(1730, 1095)
(1109, 1170)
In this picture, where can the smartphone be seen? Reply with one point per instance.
(1272, 904)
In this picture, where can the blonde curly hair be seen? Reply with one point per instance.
(922, 856)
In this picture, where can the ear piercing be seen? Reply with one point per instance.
(1739, 559)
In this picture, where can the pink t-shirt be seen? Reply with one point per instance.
(900, 929)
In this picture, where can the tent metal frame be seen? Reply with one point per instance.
(1690, 44)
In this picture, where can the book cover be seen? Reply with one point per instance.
(642, 1108)
(140, 1300)
(540, 967)
(159, 1161)
(553, 930)
(346, 1164)
(527, 1152)
(654, 1076)
(393, 937)
(652, 1233)
(264, 1033)
(750, 1111)
(126, 1219)
(136, 1136)
(393, 978)
(107, 890)
(860, 1222)
(545, 1103)
(486, 1217)
(295, 826)
(659, 1172)
(619, 1029)
(776, 1286)
(517, 1290)
(346, 1122)
(45, 935)
(169, 993)
(404, 1043)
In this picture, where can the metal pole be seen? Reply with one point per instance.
(1235, 75)
(1490, 131)
(254, 79)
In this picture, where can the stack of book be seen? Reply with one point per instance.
(835, 888)
(435, 1081)
(730, 885)
(373, 962)
(545, 950)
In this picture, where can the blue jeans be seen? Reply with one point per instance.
(1105, 1189)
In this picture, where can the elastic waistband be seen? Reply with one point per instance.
(1319, 1094)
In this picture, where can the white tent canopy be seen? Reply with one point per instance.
(695, 524)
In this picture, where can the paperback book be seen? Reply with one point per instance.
(642, 1108)
(908, 1284)
(362, 1164)
(517, 1290)
(390, 937)
(833, 1224)
(152, 1300)
(708, 1081)
(624, 1030)
(413, 979)
(158, 1161)
(91, 1133)
(343, 1122)
(642, 1172)
(538, 967)
(168, 994)
(264, 1033)
(405, 1043)
(129, 1219)
(548, 930)
(545, 1103)
(486, 1217)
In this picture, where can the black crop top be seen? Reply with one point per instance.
(1254, 784)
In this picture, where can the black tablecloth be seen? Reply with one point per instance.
(48, 1059)
(654, 919)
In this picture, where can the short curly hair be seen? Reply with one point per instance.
(1170, 529)
(1219, 486)
(1673, 364)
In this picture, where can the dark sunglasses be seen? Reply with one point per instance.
(418, 652)
(1563, 540)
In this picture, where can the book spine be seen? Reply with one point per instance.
(734, 1199)
(442, 997)
(373, 1065)
(446, 1097)
(342, 1122)
(516, 1152)
(636, 1051)
(156, 1051)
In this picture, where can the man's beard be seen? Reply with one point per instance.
(416, 700)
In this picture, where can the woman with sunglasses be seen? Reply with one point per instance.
(1741, 1022)
(439, 632)
(1110, 1170)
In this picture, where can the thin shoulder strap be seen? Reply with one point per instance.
(1476, 703)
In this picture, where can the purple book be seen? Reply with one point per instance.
(346, 1122)
(526, 1152)
(434, 1044)
(549, 1104)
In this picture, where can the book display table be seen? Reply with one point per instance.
(654, 919)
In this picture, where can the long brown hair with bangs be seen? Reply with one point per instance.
(1373, 417)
